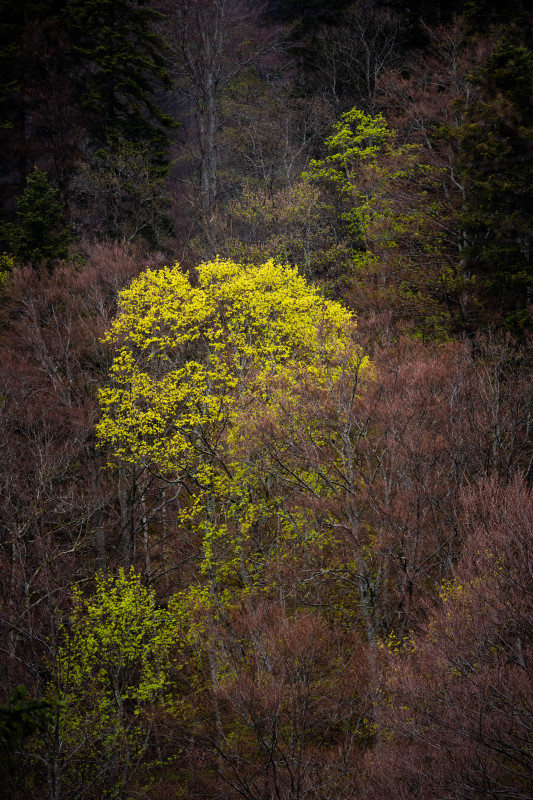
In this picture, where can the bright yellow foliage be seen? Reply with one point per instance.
(186, 355)
(193, 364)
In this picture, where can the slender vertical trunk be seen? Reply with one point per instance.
(147, 563)
(126, 494)
(207, 129)
(164, 533)
(99, 532)
(53, 768)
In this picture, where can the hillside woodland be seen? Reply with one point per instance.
(266, 400)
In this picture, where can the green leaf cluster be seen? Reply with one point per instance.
(111, 670)
(392, 204)
(364, 162)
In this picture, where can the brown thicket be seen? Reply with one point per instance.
(459, 709)
(351, 659)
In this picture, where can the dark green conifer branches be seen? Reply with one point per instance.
(498, 172)
(125, 67)
(39, 236)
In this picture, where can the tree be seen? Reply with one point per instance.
(39, 236)
(6, 265)
(212, 42)
(387, 199)
(350, 56)
(59, 511)
(460, 711)
(479, 14)
(122, 66)
(289, 714)
(20, 718)
(467, 102)
(296, 225)
(269, 132)
(120, 195)
(196, 367)
(35, 92)
(427, 103)
(55, 132)
(190, 364)
(495, 158)
(111, 670)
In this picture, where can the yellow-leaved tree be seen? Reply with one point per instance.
(204, 375)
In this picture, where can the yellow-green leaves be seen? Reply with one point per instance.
(7, 263)
(113, 667)
(392, 204)
(359, 138)
(198, 371)
(118, 643)
(363, 163)
(186, 355)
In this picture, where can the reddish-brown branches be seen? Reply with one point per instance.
(460, 712)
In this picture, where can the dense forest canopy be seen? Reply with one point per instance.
(266, 392)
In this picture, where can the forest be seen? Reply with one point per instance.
(266, 400)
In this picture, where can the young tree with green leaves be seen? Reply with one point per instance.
(388, 199)
(111, 672)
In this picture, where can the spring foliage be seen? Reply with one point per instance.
(187, 356)
(197, 370)
(389, 200)
(111, 671)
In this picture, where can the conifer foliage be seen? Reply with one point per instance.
(123, 66)
(40, 234)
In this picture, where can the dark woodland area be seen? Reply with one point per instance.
(266, 400)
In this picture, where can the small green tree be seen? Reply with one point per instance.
(390, 202)
(39, 235)
(111, 672)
